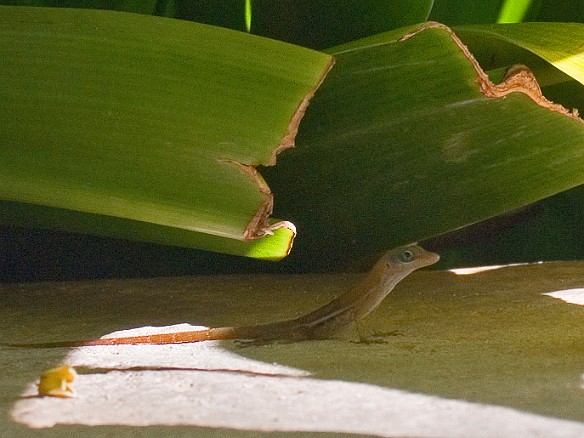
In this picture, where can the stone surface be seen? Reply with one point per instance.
(475, 355)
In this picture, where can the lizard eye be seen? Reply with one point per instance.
(406, 256)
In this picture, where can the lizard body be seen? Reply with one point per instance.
(322, 323)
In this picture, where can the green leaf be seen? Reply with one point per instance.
(548, 230)
(316, 23)
(146, 119)
(272, 247)
(408, 139)
(466, 11)
(558, 44)
(224, 13)
(325, 23)
(514, 11)
(559, 10)
(136, 6)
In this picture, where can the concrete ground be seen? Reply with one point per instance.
(483, 355)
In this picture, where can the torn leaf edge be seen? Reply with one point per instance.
(287, 141)
(260, 225)
(518, 78)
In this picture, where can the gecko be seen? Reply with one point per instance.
(322, 323)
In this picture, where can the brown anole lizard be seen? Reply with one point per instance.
(322, 323)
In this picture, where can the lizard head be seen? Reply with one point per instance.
(410, 257)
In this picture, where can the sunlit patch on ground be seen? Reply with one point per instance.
(479, 269)
(573, 296)
(204, 385)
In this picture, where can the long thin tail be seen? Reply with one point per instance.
(221, 333)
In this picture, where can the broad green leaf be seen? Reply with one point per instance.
(514, 11)
(466, 11)
(147, 119)
(325, 23)
(408, 139)
(315, 23)
(550, 229)
(272, 247)
(560, 10)
(136, 6)
(224, 13)
(558, 44)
